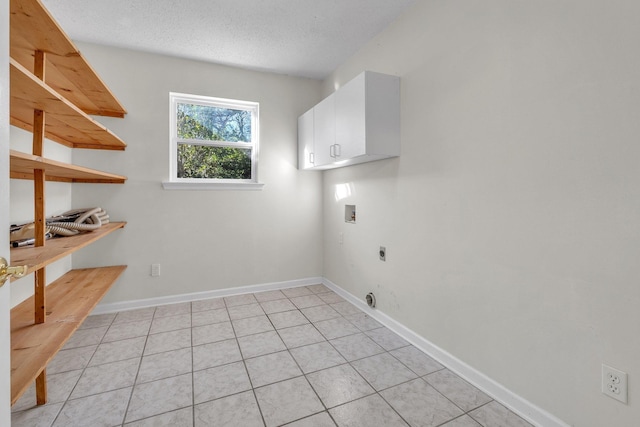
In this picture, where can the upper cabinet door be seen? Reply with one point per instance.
(306, 156)
(358, 123)
(351, 116)
(324, 131)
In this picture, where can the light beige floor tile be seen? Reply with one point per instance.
(494, 414)
(59, 388)
(99, 410)
(287, 401)
(207, 317)
(319, 420)
(164, 365)
(107, 377)
(320, 312)
(252, 325)
(318, 289)
(123, 331)
(318, 356)
(330, 297)
(167, 341)
(420, 404)
(221, 381)
(71, 360)
(356, 346)
(180, 418)
(212, 333)
(173, 309)
(170, 323)
(134, 315)
(338, 385)
(232, 411)
(86, 337)
(118, 350)
(457, 390)
(287, 319)
(98, 320)
(383, 371)
(463, 421)
(158, 397)
(363, 321)
(39, 416)
(345, 308)
(366, 412)
(386, 339)
(306, 301)
(272, 368)
(215, 354)
(243, 299)
(298, 336)
(207, 304)
(243, 311)
(416, 360)
(260, 344)
(277, 306)
(336, 328)
(269, 296)
(296, 292)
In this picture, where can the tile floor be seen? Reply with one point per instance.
(301, 357)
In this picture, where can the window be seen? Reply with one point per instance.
(213, 143)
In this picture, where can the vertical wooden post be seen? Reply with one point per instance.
(41, 387)
(39, 179)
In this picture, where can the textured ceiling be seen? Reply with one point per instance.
(307, 38)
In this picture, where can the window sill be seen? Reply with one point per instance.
(250, 186)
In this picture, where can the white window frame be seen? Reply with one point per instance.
(176, 183)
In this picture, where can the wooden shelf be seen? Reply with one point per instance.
(38, 257)
(65, 123)
(33, 28)
(22, 166)
(71, 299)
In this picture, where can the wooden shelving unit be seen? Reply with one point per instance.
(32, 28)
(72, 297)
(66, 123)
(36, 258)
(22, 166)
(53, 91)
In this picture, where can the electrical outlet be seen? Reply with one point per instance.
(341, 238)
(614, 383)
(155, 270)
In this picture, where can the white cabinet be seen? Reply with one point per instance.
(306, 155)
(324, 130)
(358, 123)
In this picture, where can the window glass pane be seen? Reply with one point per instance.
(203, 161)
(213, 123)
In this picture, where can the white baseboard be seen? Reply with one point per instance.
(527, 410)
(196, 296)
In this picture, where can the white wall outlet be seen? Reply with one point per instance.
(155, 270)
(341, 238)
(614, 383)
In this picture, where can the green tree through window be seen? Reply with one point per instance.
(204, 161)
(213, 138)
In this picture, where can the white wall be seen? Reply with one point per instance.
(204, 240)
(511, 217)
